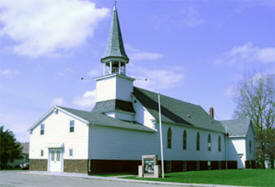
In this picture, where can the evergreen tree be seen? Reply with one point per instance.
(10, 149)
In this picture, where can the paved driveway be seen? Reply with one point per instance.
(15, 178)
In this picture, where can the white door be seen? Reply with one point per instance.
(241, 161)
(55, 160)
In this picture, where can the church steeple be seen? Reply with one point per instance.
(115, 57)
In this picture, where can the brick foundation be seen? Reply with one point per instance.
(38, 164)
(232, 164)
(131, 166)
(250, 164)
(76, 166)
(203, 165)
(114, 166)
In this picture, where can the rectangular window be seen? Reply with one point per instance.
(52, 156)
(41, 153)
(168, 165)
(71, 152)
(209, 165)
(57, 156)
(184, 165)
(72, 126)
(198, 165)
(42, 128)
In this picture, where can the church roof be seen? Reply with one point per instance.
(115, 47)
(236, 127)
(104, 120)
(176, 111)
(113, 105)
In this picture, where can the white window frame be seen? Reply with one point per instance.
(72, 125)
(71, 152)
(42, 129)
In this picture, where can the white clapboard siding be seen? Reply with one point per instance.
(57, 134)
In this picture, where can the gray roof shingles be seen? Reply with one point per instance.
(104, 120)
(113, 105)
(173, 111)
(115, 47)
(177, 111)
(236, 127)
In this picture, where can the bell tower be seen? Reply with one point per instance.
(114, 88)
(115, 57)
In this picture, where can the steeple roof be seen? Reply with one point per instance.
(115, 48)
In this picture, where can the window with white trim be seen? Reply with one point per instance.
(70, 152)
(42, 129)
(72, 126)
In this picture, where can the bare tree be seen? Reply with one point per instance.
(255, 100)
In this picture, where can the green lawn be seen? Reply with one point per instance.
(247, 177)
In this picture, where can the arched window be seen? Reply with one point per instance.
(250, 146)
(198, 141)
(209, 142)
(169, 138)
(184, 139)
(220, 144)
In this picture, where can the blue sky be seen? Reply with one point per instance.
(196, 51)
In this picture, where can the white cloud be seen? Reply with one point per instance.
(58, 101)
(86, 100)
(157, 79)
(191, 17)
(8, 73)
(138, 55)
(48, 27)
(250, 53)
(94, 73)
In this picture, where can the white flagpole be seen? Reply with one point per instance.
(160, 132)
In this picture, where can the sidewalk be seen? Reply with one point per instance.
(117, 178)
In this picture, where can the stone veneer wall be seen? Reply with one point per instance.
(76, 166)
(38, 164)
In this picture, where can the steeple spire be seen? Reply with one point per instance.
(115, 48)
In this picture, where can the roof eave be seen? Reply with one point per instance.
(127, 128)
(50, 111)
(124, 59)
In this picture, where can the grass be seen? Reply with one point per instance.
(246, 177)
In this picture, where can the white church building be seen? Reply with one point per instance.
(124, 125)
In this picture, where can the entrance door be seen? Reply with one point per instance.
(55, 160)
(241, 162)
